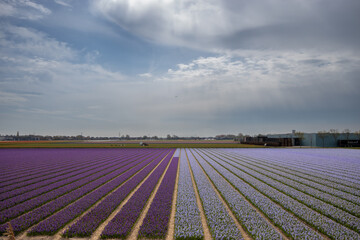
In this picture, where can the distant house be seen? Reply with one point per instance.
(143, 144)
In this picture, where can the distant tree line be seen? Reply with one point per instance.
(240, 137)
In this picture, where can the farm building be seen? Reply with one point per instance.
(321, 140)
(271, 141)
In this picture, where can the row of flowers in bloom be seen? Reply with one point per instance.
(262, 190)
(187, 218)
(30, 163)
(221, 225)
(57, 221)
(88, 223)
(37, 183)
(313, 218)
(329, 194)
(252, 221)
(156, 222)
(289, 224)
(323, 202)
(120, 226)
(58, 188)
(292, 163)
(32, 203)
(26, 220)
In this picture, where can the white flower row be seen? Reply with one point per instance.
(324, 160)
(305, 183)
(187, 218)
(327, 194)
(295, 162)
(291, 225)
(315, 219)
(219, 221)
(251, 220)
(285, 167)
(314, 203)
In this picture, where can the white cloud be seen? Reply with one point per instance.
(23, 9)
(11, 99)
(146, 75)
(6, 9)
(63, 3)
(91, 57)
(166, 21)
(27, 41)
(41, 111)
(36, 72)
(36, 6)
(260, 80)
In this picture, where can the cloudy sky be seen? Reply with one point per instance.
(189, 67)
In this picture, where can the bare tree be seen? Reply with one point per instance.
(334, 133)
(322, 135)
(300, 135)
(347, 133)
(240, 137)
(357, 133)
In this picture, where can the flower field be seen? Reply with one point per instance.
(169, 193)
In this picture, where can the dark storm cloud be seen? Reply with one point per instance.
(241, 24)
(320, 25)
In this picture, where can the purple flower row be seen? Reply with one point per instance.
(54, 223)
(52, 173)
(120, 226)
(90, 221)
(52, 184)
(62, 162)
(18, 162)
(9, 213)
(56, 161)
(156, 222)
(25, 221)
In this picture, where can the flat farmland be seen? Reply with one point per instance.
(180, 193)
(126, 144)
